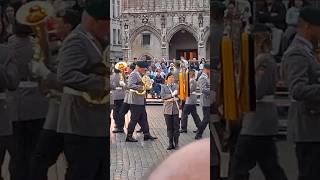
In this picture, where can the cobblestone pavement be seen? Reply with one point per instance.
(133, 161)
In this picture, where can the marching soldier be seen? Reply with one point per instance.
(191, 105)
(256, 144)
(118, 95)
(9, 80)
(29, 103)
(204, 85)
(50, 143)
(84, 113)
(169, 93)
(125, 105)
(137, 104)
(301, 69)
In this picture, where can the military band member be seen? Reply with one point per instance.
(301, 69)
(125, 105)
(9, 81)
(137, 104)
(84, 122)
(118, 95)
(256, 144)
(29, 102)
(204, 85)
(191, 104)
(50, 143)
(180, 68)
(169, 93)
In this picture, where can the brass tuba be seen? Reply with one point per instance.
(101, 69)
(147, 85)
(121, 66)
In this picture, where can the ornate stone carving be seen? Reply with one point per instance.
(145, 19)
(182, 18)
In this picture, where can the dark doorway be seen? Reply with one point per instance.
(187, 53)
(183, 43)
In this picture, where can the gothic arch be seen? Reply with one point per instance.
(139, 30)
(180, 27)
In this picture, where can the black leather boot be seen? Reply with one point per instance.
(149, 137)
(198, 136)
(130, 138)
(176, 142)
(171, 146)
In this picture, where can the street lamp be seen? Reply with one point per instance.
(126, 26)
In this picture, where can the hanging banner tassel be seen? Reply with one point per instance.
(230, 105)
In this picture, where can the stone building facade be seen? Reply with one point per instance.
(116, 53)
(155, 29)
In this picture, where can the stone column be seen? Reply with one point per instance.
(201, 52)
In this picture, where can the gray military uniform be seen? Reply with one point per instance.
(264, 121)
(169, 108)
(78, 55)
(126, 91)
(204, 85)
(135, 83)
(118, 92)
(9, 80)
(27, 101)
(302, 71)
(55, 86)
(192, 99)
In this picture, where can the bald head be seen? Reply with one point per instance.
(189, 163)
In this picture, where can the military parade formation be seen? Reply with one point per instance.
(59, 92)
(129, 87)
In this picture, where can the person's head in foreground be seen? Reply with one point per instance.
(66, 21)
(309, 24)
(191, 162)
(141, 67)
(96, 19)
